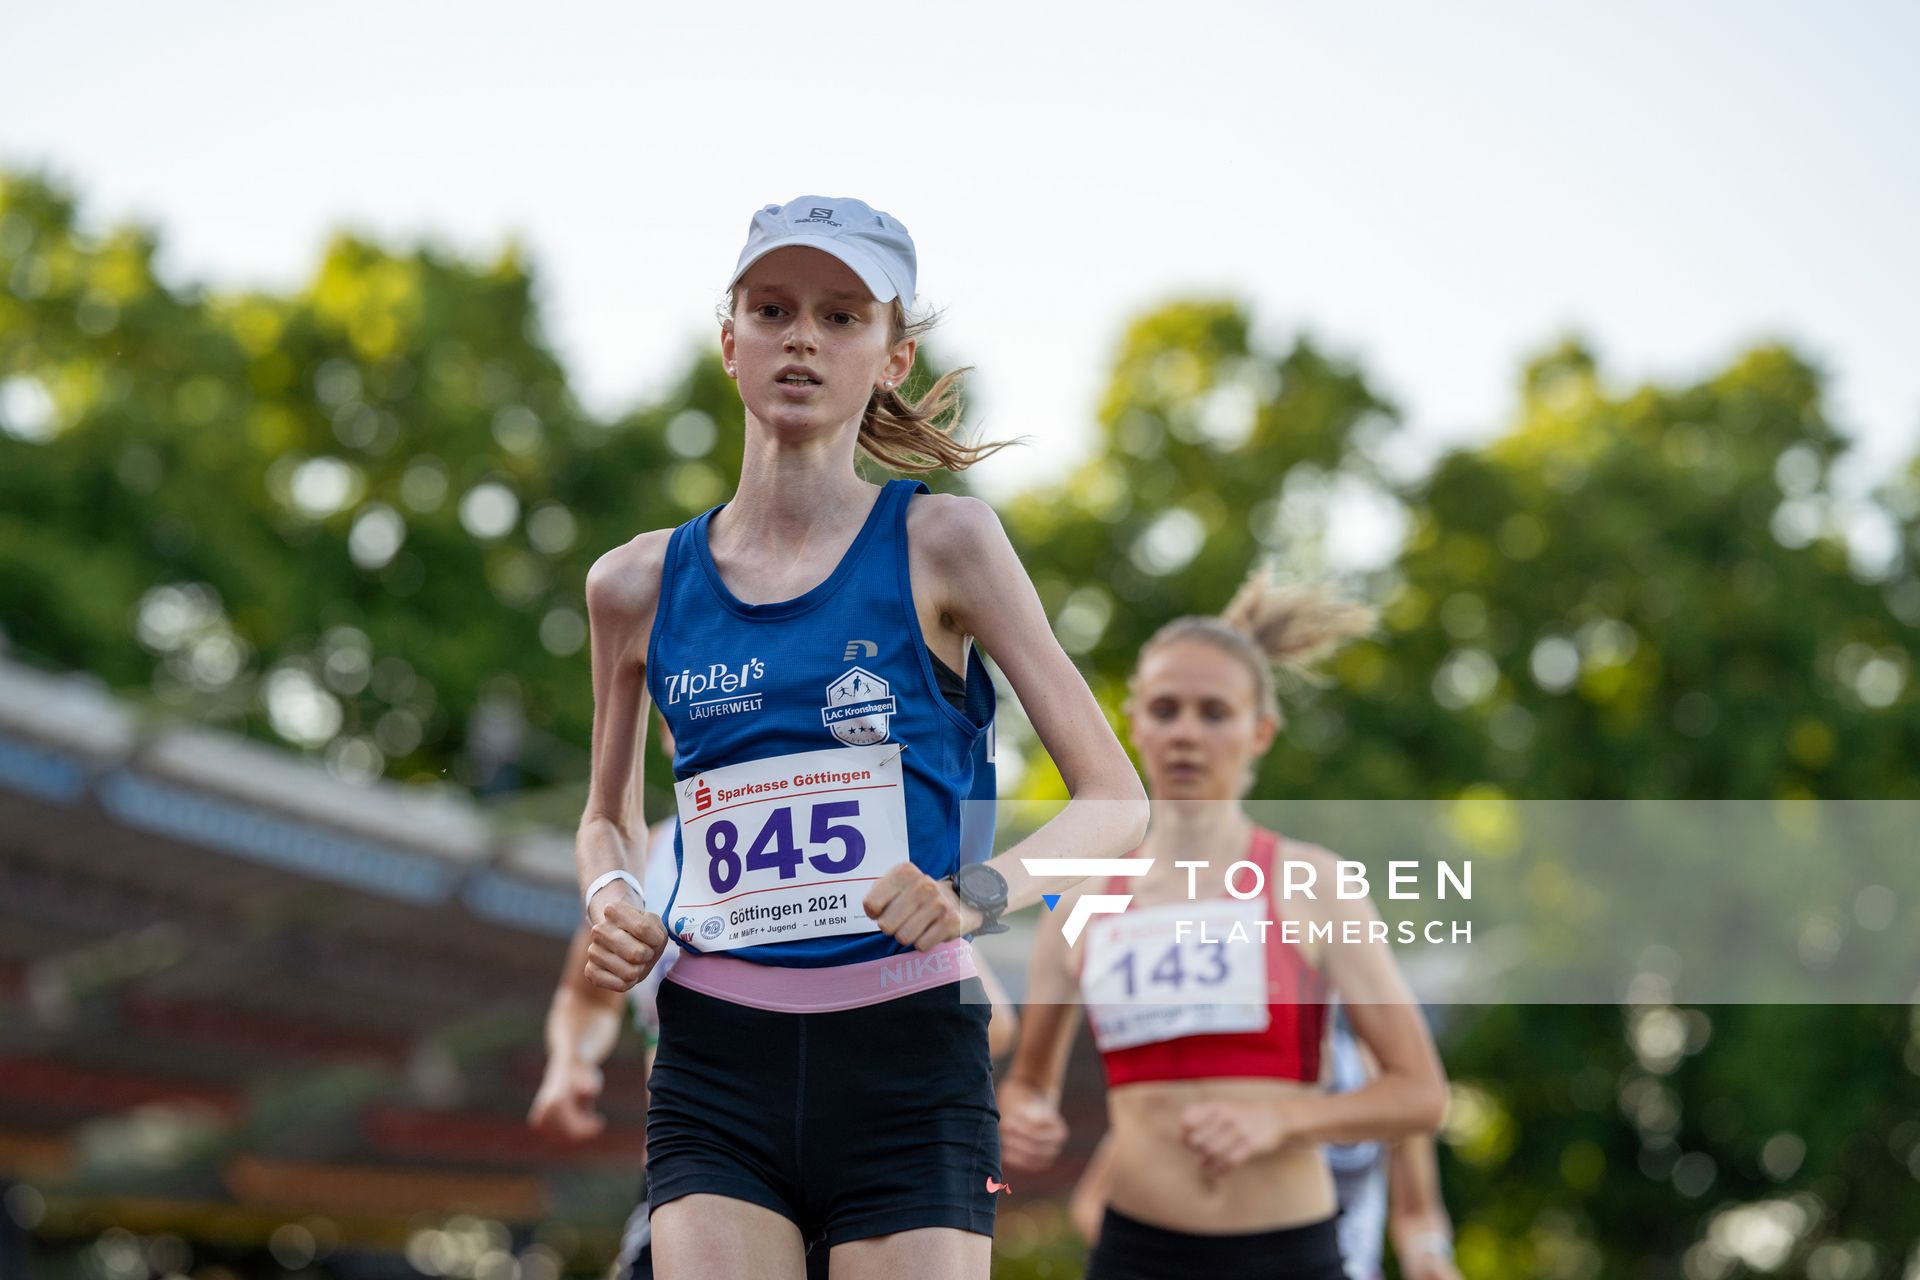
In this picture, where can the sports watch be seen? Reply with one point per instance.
(985, 890)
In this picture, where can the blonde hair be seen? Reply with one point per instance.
(909, 435)
(1272, 624)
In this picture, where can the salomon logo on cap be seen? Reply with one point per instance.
(872, 243)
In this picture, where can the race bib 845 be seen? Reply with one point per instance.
(785, 847)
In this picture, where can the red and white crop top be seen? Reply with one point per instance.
(1191, 991)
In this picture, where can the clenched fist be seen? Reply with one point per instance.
(1031, 1128)
(564, 1107)
(624, 942)
(1225, 1135)
(917, 909)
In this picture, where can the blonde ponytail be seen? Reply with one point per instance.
(1295, 624)
(907, 435)
(1270, 624)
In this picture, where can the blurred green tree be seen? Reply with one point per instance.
(1630, 594)
(1210, 449)
(357, 518)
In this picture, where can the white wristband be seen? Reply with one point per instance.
(586, 901)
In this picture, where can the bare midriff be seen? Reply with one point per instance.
(1158, 1179)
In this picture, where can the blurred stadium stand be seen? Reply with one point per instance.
(238, 994)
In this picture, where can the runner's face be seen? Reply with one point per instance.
(809, 343)
(1196, 722)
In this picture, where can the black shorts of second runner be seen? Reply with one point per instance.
(852, 1124)
(1130, 1249)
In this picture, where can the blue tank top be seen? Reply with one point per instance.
(812, 743)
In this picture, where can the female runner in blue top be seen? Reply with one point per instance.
(822, 1075)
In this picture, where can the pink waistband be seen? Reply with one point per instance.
(845, 986)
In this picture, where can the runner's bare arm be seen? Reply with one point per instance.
(583, 1024)
(1417, 1221)
(1087, 1205)
(583, 1020)
(979, 588)
(622, 589)
(1031, 1128)
(1052, 1016)
(1408, 1092)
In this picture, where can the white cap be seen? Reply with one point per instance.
(875, 245)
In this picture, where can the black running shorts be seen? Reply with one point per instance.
(851, 1124)
(1129, 1249)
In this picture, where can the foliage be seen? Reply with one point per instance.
(1636, 593)
(357, 519)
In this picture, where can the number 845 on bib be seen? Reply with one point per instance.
(783, 848)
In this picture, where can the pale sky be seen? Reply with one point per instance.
(1438, 190)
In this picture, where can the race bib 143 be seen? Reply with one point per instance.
(1147, 980)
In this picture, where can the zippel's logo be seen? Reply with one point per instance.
(728, 683)
(1093, 904)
